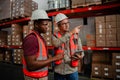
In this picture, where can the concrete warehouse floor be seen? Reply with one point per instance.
(14, 72)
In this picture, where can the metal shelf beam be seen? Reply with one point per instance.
(70, 11)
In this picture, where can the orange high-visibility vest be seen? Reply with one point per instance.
(73, 47)
(41, 55)
(59, 49)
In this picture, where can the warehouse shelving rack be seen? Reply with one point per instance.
(97, 8)
(90, 10)
(84, 47)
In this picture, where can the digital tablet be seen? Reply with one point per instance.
(78, 51)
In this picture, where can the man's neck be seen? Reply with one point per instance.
(62, 33)
(37, 30)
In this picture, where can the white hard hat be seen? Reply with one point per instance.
(59, 17)
(39, 14)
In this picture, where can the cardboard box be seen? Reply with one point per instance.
(100, 43)
(109, 1)
(5, 9)
(115, 18)
(100, 19)
(26, 30)
(118, 24)
(100, 31)
(111, 43)
(18, 53)
(116, 56)
(3, 37)
(48, 37)
(20, 9)
(100, 25)
(16, 29)
(77, 3)
(93, 2)
(117, 76)
(111, 31)
(101, 57)
(118, 43)
(118, 17)
(107, 71)
(96, 70)
(90, 37)
(111, 18)
(91, 43)
(50, 27)
(34, 5)
(8, 56)
(111, 37)
(100, 37)
(111, 25)
(116, 64)
(118, 31)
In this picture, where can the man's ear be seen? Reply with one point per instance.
(36, 25)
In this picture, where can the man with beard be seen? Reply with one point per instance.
(69, 44)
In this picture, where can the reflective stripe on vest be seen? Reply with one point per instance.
(41, 55)
(73, 47)
(59, 50)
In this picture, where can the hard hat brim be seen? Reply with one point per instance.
(42, 19)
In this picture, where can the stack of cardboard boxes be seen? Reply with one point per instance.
(48, 35)
(111, 40)
(106, 65)
(28, 28)
(100, 31)
(5, 9)
(8, 56)
(1, 55)
(34, 5)
(20, 9)
(107, 34)
(107, 71)
(17, 56)
(93, 2)
(25, 30)
(90, 40)
(108, 1)
(82, 3)
(118, 30)
(102, 65)
(3, 38)
(9, 40)
(77, 3)
(11, 9)
(16, 34)
(116, 65)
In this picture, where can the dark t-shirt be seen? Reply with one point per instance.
(30, 45)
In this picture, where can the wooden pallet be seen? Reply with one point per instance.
(79, 6)
(93, 3)
(58, 9)
(109, 1)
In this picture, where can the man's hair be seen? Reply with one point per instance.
(37, 21)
